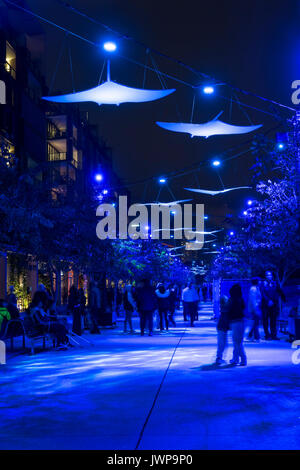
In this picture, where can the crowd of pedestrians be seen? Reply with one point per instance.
(160, 302)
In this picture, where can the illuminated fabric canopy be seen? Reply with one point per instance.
(111, 92)
(172, 203)
(207, 129)
(215, 193)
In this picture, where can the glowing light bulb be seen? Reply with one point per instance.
(110, 46)
(98, 177)
(208, 90)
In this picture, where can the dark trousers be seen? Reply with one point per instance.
(128, 320)
(254, 330)
(270, 317)
(163, 318)
(76, 328)
(146, 318)
(59, 331)
(192, 311)
(185, 310)
(94, 311)
(171, 314)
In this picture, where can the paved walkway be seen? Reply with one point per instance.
(159, 392)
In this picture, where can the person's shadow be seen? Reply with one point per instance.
(214, 366)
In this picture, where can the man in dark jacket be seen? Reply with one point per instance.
(236, 307)
(270, 293)
(147, 303)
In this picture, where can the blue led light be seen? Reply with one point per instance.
(98, 177)
(110, 46)
(216, 163)
(162, 180)
(208, 90)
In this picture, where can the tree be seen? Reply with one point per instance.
(268, 234)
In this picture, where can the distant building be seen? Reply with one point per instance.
(57, 143)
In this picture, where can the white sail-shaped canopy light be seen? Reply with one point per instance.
(214, 193)
(207, 129)
(172, 203)
(111, 92)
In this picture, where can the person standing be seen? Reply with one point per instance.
(270, 292)
(191, 298)
(163, 295)
(236, 308)
(222, 329)
(254, 309)
(94, 305)
(147, 303)
(129, 307)
(74, 307)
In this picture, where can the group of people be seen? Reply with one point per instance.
(146, 299)
(263, 303)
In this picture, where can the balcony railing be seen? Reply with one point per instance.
(56, 134)
(10, 69)
(57, 156)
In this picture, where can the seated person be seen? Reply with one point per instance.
(48, 324)
(4, 316)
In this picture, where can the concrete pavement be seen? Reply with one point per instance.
(159, 392)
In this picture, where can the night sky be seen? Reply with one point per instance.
(252, 45)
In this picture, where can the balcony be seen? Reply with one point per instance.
(57, 156)
(10, 70)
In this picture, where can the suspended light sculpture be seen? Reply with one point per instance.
(214, 193)
(207, 129)
(111, 92)
(172, 203)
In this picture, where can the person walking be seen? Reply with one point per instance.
(147, 303)
(222, 329)
(172, 303)
(82, 304)
(184, 305)
(254, 309)
(74, 308)
(270, 292)
(129, 307)
(191, 298)
(163, 295)
(236, 307)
